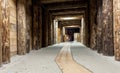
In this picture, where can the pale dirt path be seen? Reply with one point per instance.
(67, 64)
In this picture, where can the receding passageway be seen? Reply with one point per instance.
(43, 60)
(34, 33)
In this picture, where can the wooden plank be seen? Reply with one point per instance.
(67, 64)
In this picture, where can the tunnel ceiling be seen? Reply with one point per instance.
(59, 8)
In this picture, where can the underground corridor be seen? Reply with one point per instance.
(59, 36)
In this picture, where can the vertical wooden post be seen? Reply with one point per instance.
(52, 32)
(28, 25)
(49, 30)
(99, 26)
(93, 24)
(0, 34)
(35, 26)
(60, 32)
(0, 43)
(21, 19)
(5, 32)
(43, 27)
(116, 11)
(107, 21)
(40, 28)
(83, 31)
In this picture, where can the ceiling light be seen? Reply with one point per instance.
(68, 18)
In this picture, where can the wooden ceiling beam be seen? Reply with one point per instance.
(77, 17)
(56, 1)
(67, 7)
(68, 12)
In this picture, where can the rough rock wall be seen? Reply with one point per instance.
(21, 18)
(116, 11)
(107, 21)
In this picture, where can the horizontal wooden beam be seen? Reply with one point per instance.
(67, 7)
(62, 18)
(56, 1)
(68, 12)
(68, 15)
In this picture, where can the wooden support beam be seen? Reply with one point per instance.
(58, 1)
(67, 5)
(93, 24)
(0, 34)
(35, 27)
(21, 18)
(40, 28)
(52, 32)
(44, 28)
(28, 25)
(99, 26)
(0, 43)
(49, 29)
(64, 8)
(78, 16)
(68, 12)
(6, 31)
(107, 21)
(116, 11)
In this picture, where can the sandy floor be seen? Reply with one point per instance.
(43, 61)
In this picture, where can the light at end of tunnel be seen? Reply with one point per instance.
(68, 18)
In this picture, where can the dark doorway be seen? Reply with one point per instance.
(70, 32)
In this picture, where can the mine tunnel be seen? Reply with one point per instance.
(59, 36)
